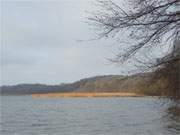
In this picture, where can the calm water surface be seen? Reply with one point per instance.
(24, 115)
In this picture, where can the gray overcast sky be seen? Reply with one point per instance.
(39, 43)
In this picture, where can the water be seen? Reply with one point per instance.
(24, 115)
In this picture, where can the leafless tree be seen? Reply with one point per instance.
(148, 23)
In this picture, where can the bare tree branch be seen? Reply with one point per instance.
(149, 22)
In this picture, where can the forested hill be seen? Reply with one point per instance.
(32, 88)
(139, 83)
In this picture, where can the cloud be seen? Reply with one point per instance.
(39, 43)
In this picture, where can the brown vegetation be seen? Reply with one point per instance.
(147, 24)
(103, 94)
(170, 76)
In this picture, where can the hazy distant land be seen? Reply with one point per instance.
(109, 85)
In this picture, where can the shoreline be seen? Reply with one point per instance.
(93, 94)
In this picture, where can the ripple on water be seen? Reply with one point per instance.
(23, 115)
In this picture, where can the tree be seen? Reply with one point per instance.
(146, 23)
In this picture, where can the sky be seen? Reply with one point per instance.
(40, 43)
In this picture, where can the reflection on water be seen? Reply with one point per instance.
(23, 115)
(173, 119)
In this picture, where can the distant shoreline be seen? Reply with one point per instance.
(85, 94)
